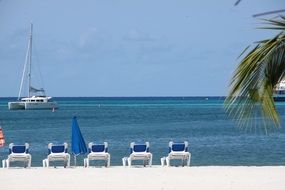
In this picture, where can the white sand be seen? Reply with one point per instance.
(156, 177)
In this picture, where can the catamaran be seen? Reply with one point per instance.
(37, 98)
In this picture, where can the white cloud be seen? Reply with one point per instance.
(87, 36)
(137, 35)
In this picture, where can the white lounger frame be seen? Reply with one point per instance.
(97, 155)
(23, 157)
(63, 156)
(144, 156)
(177, 155)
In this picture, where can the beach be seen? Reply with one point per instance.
(156, 177)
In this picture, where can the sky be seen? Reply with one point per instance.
(128, 47)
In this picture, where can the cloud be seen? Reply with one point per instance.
(138, 36)
(86, 37)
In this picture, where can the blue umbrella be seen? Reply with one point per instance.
(78, 145)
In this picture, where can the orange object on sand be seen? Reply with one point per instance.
(2, 138)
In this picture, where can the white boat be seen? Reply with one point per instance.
(279, 91)
(37, 98)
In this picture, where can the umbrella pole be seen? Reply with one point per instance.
(75, 160)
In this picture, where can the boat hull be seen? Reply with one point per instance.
(32, 105)
(16, 106)
(279, 98)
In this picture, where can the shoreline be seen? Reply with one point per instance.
(155, 177)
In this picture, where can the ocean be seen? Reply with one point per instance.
(214, 138)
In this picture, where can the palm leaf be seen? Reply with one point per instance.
(251, 87)
(275, 24)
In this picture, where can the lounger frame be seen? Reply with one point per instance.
(18, 153)
(98, 151)
(177, 151)
(57, 153)
(139, 151)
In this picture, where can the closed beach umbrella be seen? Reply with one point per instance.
(78, 145)
(2, 138)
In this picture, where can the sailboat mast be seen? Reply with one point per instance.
(30, 60)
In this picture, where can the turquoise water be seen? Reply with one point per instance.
(214, 138)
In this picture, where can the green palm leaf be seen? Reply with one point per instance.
(251, 87)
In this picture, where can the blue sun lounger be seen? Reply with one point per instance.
(139, 151)
(177, 151)
(97, 151)
(57, 153)
(18, 153)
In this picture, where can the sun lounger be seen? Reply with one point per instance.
(97, 152)
(139, 151)
(18, 153)
(177, 151)
(57, 153)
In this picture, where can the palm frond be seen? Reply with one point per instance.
(268, 13)
(274, 24)
(251, 87)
